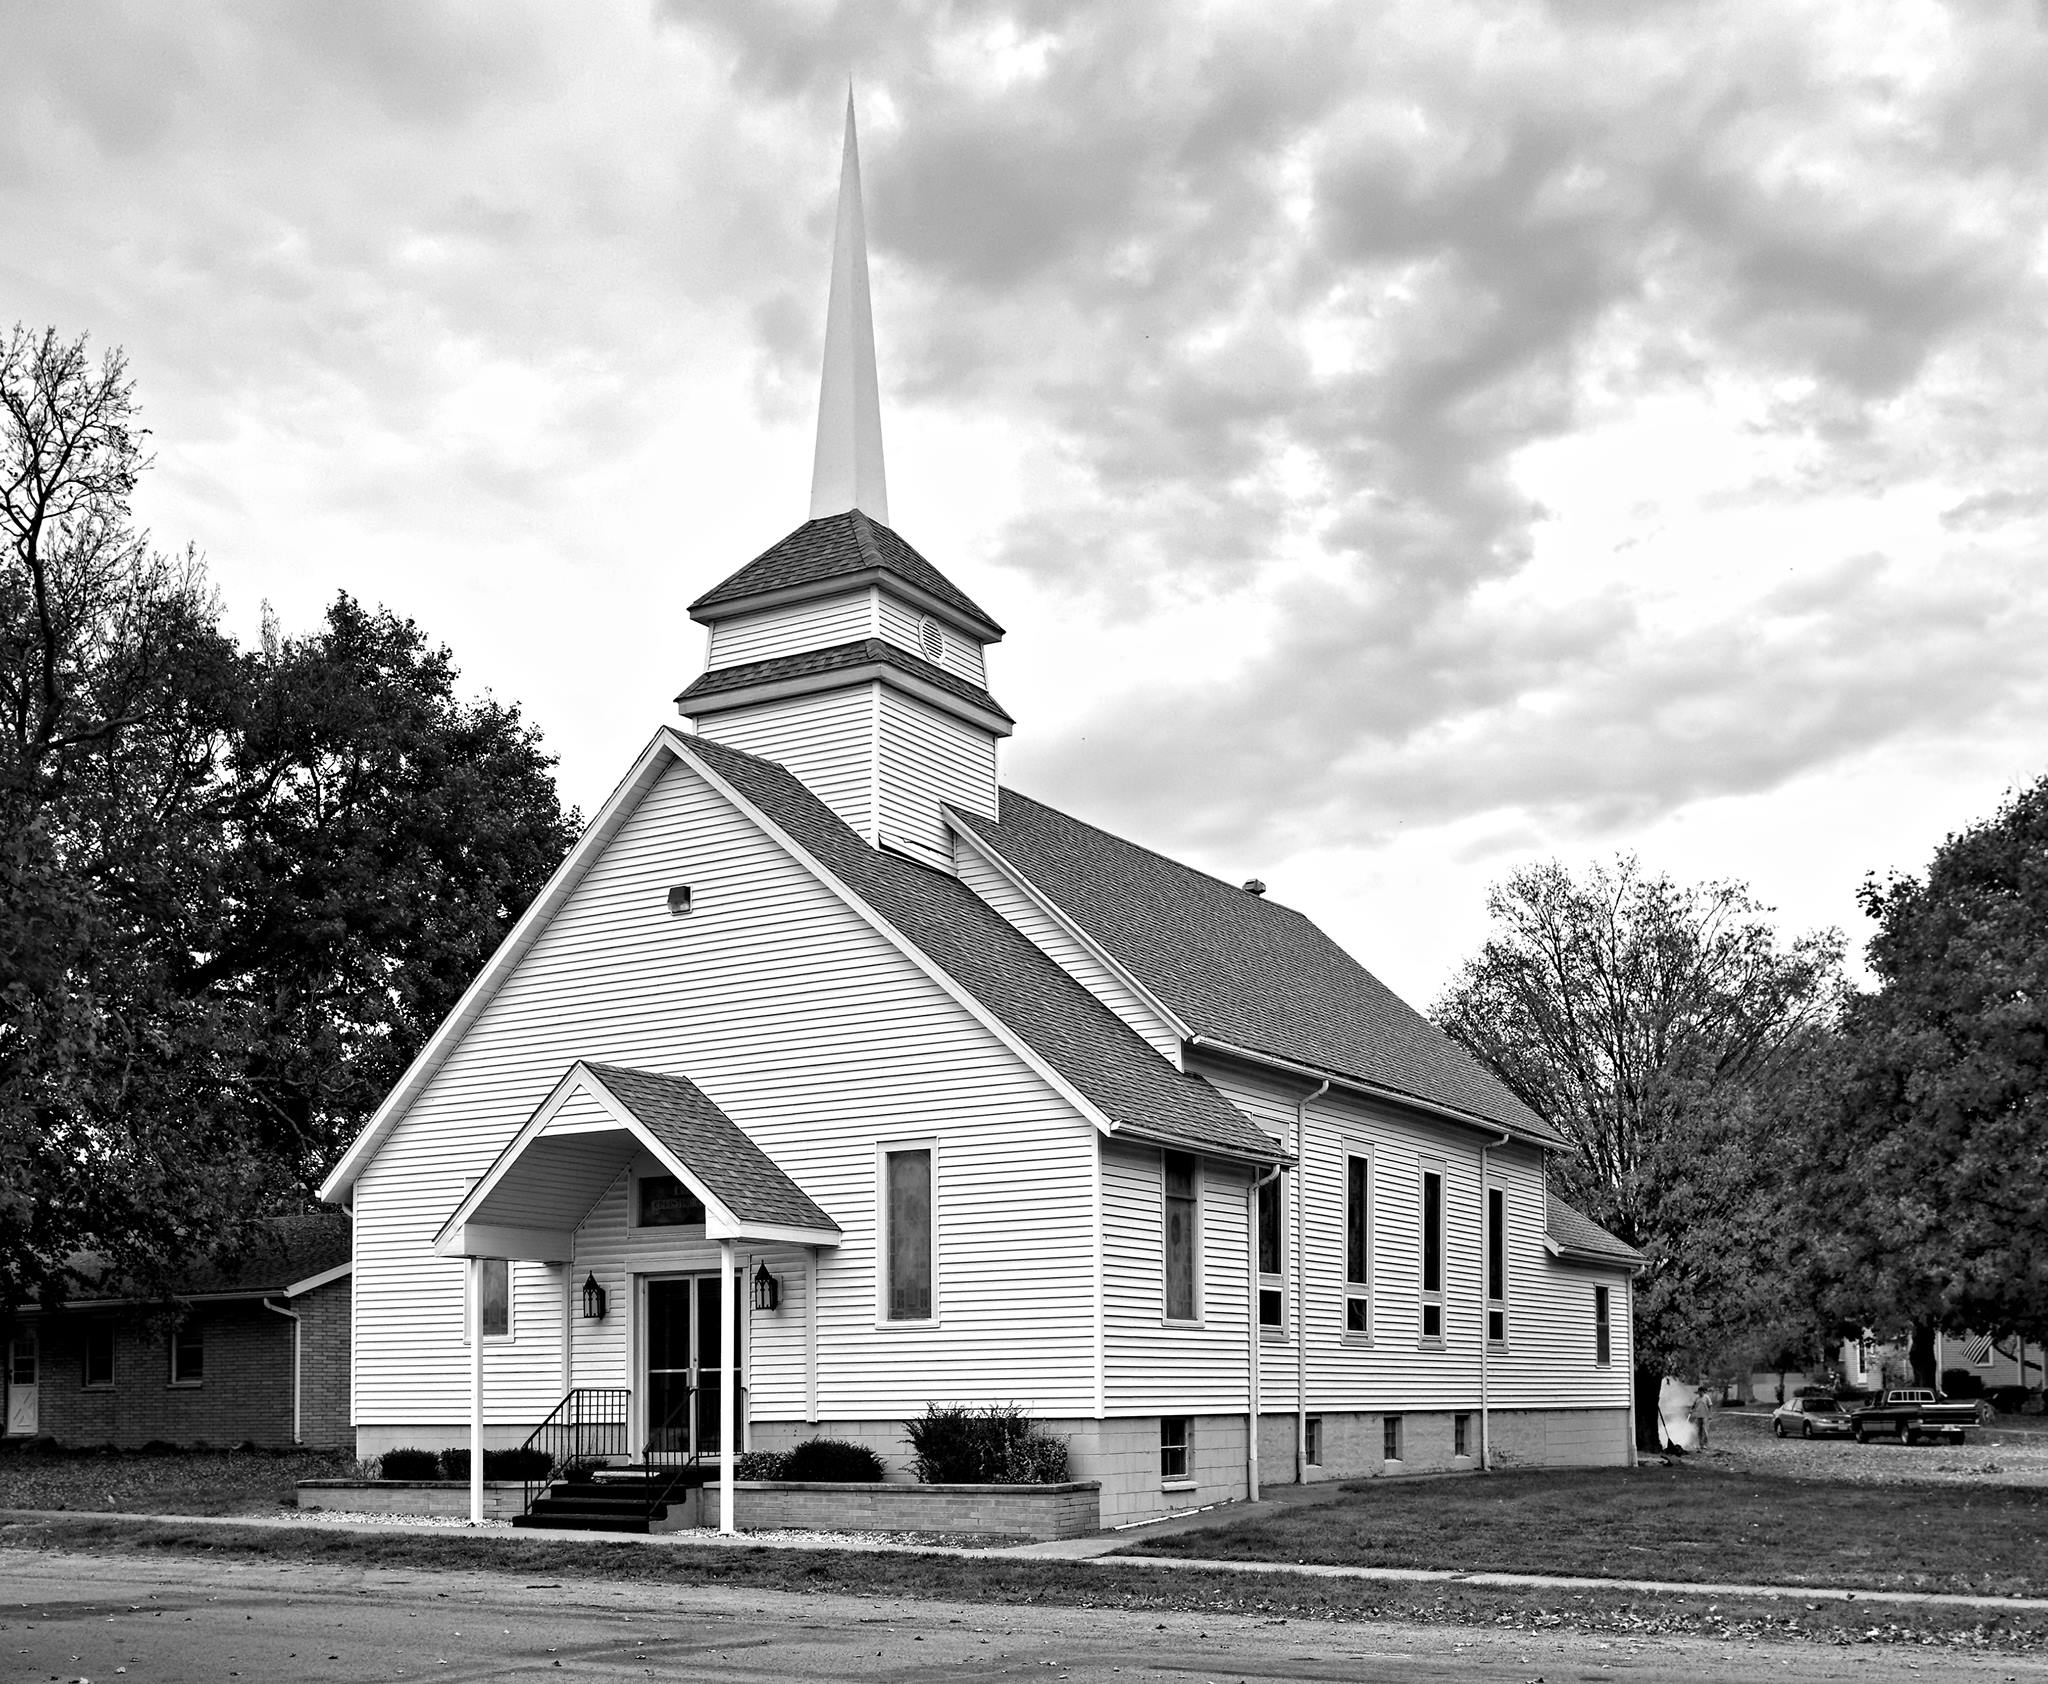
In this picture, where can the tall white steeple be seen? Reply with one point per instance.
(840, 651)
(846, 472)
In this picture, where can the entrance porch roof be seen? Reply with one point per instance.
(594, 1122)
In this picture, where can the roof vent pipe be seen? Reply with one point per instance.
(1252, 886)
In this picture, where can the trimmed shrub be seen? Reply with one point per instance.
(999, 1445)
(760, 1464)
(1961, 1383)
(499, 1464)
(409, 1464)
(832, 1459)
(2008, 1400)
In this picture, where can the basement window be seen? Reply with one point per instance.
(1312, 1437)
(1461, 1435)
(1390, 1438)
(1173, 1450)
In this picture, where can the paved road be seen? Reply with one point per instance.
(68, 1617)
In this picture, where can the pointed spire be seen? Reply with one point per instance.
(847, 470)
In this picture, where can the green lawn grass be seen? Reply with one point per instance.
(1686, 1522)
(190, 1482)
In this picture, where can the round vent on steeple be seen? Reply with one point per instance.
(931, 639)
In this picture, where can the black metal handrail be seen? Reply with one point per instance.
(589, 1423)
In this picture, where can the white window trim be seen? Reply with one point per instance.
(1276, 1333)
(1349, 1290)
(1507, 1273)
(511, 1334)
(1424, 1168)
(909, 1143)
(634, 1176)
(1201, 1183)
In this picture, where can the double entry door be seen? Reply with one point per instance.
(684, 1380)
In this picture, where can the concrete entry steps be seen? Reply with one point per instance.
(630, 1500)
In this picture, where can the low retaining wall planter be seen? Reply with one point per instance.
(1035, 1511)
(503, 1498)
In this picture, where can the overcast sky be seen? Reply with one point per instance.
(1403, 441)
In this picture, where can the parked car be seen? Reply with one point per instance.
(1810, 1417)
(1909, 1413)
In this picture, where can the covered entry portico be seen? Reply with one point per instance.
(723, 1192)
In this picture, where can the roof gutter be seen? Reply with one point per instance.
(1355, 1084)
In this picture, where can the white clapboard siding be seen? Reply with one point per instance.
(792, 629)
(829, 740)
(1151, 1366)
(929, 757)
(819, 1038)
(1551, 1355)
(1053, 939)
(1548, 1360)
(903, 625)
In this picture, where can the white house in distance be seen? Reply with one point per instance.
(968, 1100)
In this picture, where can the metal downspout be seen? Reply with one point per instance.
(1486, 1300)
(1251, 1229)
(298, 1432)
(1300, 1301)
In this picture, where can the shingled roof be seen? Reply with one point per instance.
(1240, 969)
(863, 651)
(1577, 1236)
(712, 1147)
(981, 951)
(284, 1251)
(845, 546)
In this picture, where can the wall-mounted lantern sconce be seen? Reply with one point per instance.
(593, 1300)
(767, 1290)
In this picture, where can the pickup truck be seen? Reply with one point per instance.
(1910, 1412)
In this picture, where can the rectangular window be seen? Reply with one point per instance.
(1432, 1254)
(1390, 1438)
(1313, 1432)
(1461, 1435)
(21, 1358)
(1272, 1251)
(1357, 1245)
(99, 1353)
(1496, 1266)
(909, 1179)
(188, 1355)
(666, 1203)
(1173, 1449)
(1603, 1352)
(1178, 1171)
(497, 1275)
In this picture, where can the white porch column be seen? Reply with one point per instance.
(728, 1385)
(476, 1391)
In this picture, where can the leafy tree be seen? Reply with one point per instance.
(237, 889)
(1938, 1179)
(1651, 1024)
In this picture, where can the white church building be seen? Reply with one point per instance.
(962, 1099)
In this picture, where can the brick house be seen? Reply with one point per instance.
(260, 1356)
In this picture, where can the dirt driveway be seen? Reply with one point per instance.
(71, 1616)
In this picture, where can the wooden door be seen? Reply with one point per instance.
(22, 1411)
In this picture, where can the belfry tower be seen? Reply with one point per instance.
(841, 652)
